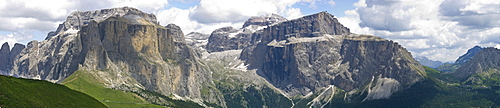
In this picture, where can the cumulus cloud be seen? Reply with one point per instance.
(16, 37)
(209, 15)
(438, 29)
(217, 11)
(477, 14)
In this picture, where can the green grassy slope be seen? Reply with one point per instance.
(18, 92)
(85, 83)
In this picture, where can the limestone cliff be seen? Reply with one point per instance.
(7, 57)
(311, 53)
(124, 49)
(4, 57)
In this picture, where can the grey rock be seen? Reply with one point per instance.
(316, 51)
(264, 21)
(78, 19)
(451, 67)
(484, 63)
(229, 38)
(427, 62)
(4, 57)
(468, 56)
(198, 41)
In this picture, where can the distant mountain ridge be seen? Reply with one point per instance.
(427, 62)
(482, 69)
(461, 60)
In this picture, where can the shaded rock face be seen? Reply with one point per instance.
(229, 38)
(4, 57)
(485, 63)
(7, 57)
(316, 51)
(468, 56)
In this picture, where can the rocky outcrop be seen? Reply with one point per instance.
(229, 38)
(310, 53)
(7, 57)
(483, 65)
(4, 57)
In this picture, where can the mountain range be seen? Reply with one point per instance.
(122, 55)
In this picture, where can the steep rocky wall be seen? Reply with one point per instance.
(143, 56)
(124, 49)
(310, 53)
(4, 57)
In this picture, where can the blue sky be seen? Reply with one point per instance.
(436, 29)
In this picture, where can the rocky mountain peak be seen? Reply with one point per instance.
(484, 63)
(264, 21)
(7, 56)
(5, 47)
(467, 56)
(4, 57)
(76, 20)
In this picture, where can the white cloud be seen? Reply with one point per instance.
(180, 17)
(332, 3)
(476, 14)
(217, 11)
(209, 15)
(438, 29)
(16, 37)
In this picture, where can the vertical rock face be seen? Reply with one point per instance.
(78, 19)
(484, 65)
(4, 57)
(123, 48)
(304, 55)
(153, 57)
(7, 57)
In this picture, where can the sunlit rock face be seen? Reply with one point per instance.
(123, 48)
